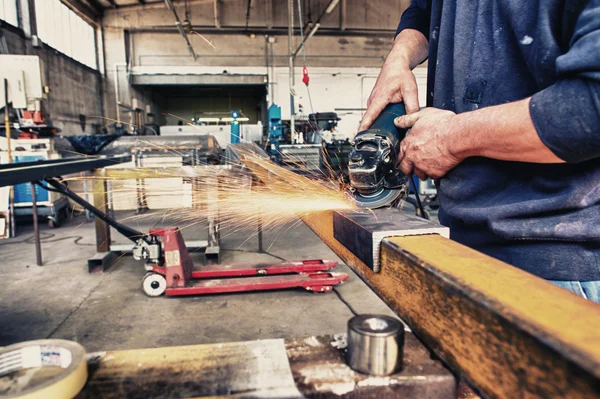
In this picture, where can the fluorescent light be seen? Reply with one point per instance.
(314, 29)
(208, 119)
(236, 119)
(331, 6)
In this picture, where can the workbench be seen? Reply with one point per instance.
(311, 367)
(508, 333)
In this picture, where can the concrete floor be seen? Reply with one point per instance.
(109, 311)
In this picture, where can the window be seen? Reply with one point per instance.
(8, 12)
(67, 32)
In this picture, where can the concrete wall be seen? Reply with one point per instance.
(74, 88)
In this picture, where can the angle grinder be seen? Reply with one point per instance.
(375, 178)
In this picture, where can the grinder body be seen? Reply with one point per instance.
(373, 169)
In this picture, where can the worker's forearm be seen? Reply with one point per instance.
(504, 132)
(410, 49)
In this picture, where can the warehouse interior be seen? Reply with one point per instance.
(179, 218)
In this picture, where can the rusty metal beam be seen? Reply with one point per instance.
(509, 333)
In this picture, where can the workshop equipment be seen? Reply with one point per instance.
(235, 127)
(175, 275)
(275, 127)
(375, 344)
(171, 270)
(373, 169)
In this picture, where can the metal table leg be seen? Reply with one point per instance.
(36, 227)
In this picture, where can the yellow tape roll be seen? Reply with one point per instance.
(68, 355)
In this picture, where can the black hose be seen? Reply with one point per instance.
(419, 204)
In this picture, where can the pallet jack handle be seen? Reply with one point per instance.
(126, 231)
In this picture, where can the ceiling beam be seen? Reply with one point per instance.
(276, 31)
(142, 2)
(113, 4)
(89, 13)
(96, 6)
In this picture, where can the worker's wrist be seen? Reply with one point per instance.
(409, 49)
(461, 143)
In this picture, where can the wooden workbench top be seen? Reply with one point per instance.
(308, 367)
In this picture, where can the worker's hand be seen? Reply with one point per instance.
(396, 83)
(427, 149)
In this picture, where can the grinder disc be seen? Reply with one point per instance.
(383, 198)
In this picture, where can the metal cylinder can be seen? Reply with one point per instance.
(375, 344)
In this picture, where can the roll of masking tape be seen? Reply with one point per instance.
(68, 355)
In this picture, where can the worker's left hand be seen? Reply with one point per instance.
(426, 150)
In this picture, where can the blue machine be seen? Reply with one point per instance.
(23, 191)
(275, 126)
(235, 127)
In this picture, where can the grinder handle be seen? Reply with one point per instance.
(385, 120)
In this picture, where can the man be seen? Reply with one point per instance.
(512, 132)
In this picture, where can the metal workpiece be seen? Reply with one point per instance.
(362, 231)
(375, 344)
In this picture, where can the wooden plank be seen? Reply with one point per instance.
(311, 367)
(511, 334)
(257, 368)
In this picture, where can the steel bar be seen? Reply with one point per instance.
(509, 333)
(362, 231)
(36, 227)
(25, 172)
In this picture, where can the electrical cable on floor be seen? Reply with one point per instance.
(339, 295)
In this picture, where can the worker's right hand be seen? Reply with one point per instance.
(395, 83)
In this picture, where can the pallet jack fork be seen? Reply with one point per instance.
(170, 269)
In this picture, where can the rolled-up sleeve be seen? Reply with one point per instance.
(417, 16)
(567, 114)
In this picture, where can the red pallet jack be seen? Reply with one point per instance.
(177, 276)
(170, 269)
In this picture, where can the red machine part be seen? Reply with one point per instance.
(305, 78)
(178, 277)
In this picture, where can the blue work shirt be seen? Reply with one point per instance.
(542, 218)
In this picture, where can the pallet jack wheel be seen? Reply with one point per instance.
(154, 284)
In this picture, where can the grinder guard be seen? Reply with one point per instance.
(374, 175)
